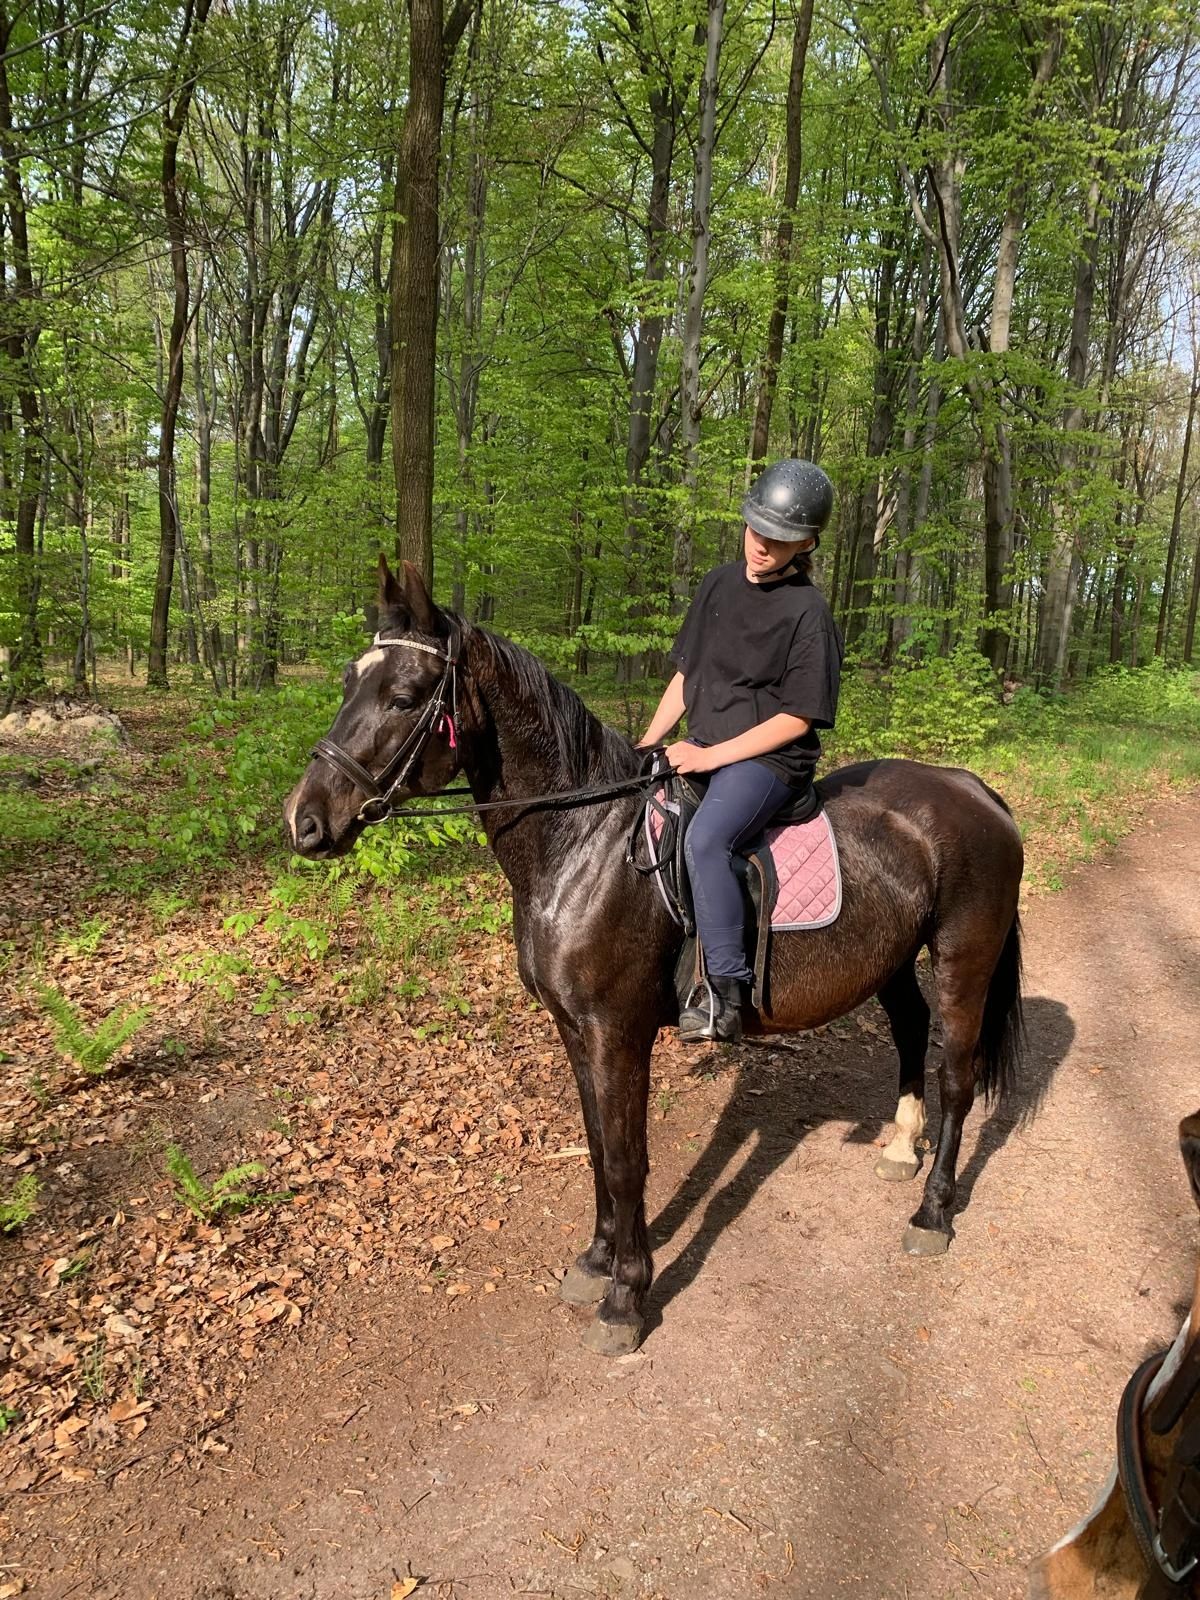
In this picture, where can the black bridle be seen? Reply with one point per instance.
(381, 787)
(1169, 1538)
(438, 715)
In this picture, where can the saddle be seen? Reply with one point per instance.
(655, 848)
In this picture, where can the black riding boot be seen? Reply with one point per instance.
(715, 1012)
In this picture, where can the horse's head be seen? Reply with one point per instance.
(394, 734)
(1131, 1541)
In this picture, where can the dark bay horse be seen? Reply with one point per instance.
(930, 857)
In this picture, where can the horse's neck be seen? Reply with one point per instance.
(516, 754)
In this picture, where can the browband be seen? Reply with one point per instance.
(414, 644)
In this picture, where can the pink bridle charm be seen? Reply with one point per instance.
(448, 729)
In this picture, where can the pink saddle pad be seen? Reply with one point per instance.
(806, 866)
(810, 879)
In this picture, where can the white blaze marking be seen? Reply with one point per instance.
(293, 806)
(910, 1125)
(371, 659)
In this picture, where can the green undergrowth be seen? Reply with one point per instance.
(1072, 768)
(212, 800)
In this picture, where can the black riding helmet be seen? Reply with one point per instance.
(790, 500)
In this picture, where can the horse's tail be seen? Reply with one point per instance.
(1002, 1037)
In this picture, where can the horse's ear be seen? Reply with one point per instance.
(392, 596)
(1189, 1149)
(426, 616)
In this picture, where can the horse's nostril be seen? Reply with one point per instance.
(308, 832)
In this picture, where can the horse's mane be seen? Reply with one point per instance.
(587, 750)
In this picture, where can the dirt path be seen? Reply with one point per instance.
(815, 1414)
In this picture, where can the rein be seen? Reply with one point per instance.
(1169, 1538)
(380, 788)
(568, 797)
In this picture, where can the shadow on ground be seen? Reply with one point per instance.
(775, 1110)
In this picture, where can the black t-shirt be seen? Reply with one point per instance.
(748, 651)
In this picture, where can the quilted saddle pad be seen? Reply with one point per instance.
(806, 868)
(810, 879)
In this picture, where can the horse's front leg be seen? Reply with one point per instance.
(588, 1279)
(620, 1080)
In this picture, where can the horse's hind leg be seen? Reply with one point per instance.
(902, 1000)
(962, 980)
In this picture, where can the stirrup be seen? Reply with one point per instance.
(718, 1016)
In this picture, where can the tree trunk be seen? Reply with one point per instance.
(1164, 609)
(415, 249)
(22, 331)
(901, 621)
(206, 585)
(693, 322)
(769, 376)
(376, 407)
(1063, 565)
(1124, 546)
(183, 80)
(187, 597)
(1189, 637)
(83, 646)
(665, 108)
(872, 519)
(470, 366)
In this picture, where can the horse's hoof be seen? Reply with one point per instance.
(892, 1171)
(580, 1288)
(925, 1241)
(612, 1338)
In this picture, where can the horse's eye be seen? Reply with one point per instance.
(401, 702)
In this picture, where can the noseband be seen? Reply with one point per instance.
(1169, 1539)
(381, 787)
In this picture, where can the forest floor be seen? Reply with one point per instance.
(363, 1385)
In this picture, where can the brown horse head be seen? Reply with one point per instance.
(394, 731)
(1101, 1558)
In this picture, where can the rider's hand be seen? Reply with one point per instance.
(685, 757)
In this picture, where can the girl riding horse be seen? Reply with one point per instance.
(759, 662)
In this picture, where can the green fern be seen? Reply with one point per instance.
(93, 1049)
(226, 1194)
(19, 1204)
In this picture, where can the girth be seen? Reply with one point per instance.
(1169, 1538)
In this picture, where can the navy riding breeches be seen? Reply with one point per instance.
(740, 801)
